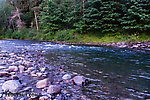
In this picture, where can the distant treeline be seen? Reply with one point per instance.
(82, 16)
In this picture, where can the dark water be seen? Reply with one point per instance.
(114, 73)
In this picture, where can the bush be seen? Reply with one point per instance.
(8, 33)
(65, 35)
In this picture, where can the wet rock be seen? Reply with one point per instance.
(33, 75)
(10, 61)
(4, 73)
(30, 69)
(12, 73)
(27, 89)
(2, 67)
(53, 89)
(11, 86)
(66, 77)
(80, 80)
(42, 83)
(39, 74)
(21, 68)
(13, 68)
(135, 46)
(43, 98)
(10, 98)
(14, 77)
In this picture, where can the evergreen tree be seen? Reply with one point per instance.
(101, 16)
(136, 16)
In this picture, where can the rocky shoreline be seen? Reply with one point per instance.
(27, 75)
(145, 45)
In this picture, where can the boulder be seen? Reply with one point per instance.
(53, 89)
(42, 83)
(66, 77)
(11, 86)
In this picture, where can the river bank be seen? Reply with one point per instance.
(143, 45)
(26, 75)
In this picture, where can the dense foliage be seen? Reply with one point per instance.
(49, 19)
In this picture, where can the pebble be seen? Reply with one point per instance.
(13, 68)
(2, 67)
(21, 68)
(14, 77)
(43, 98)
(66, 77)
(4, 73)
(10, 98)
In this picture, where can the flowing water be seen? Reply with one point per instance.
(113, 73)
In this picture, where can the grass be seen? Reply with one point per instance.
(109, 38)
(72, 36)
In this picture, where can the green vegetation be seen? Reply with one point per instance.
(94, 21)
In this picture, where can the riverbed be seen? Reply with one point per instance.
(113, 73)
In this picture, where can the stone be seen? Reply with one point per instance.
(27, 89)
(135, 46)
(42, 83)
(14, 77)
(13, 68)
(79, 80)
(33, 75)
(4, 73)
(10, 98)
(39, 74)
(2, 67)
(53, 89)
(66, 77)
(21, 68)
(43, 98)
(11, 86)
(30, 69)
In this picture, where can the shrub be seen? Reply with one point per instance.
(65, 35)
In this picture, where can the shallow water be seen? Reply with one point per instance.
(113, 73)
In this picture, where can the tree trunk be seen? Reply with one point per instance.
(75, 4)
(37, 27)
(19, 22)
(83, 6)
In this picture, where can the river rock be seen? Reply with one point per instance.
(14, 77)
(30, 69)
(43, 98)
(13, 68)
(2, 67)
(4, 73)
(79, 80)
(66, 77)
(42, 83)
(54, 89)
(21, 68)
(10, 98)
(11, 86)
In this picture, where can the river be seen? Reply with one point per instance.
(112, 72)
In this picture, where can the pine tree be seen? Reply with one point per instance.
(136, 16)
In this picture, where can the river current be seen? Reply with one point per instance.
(112, 72)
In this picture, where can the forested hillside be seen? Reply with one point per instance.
(67, 20)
